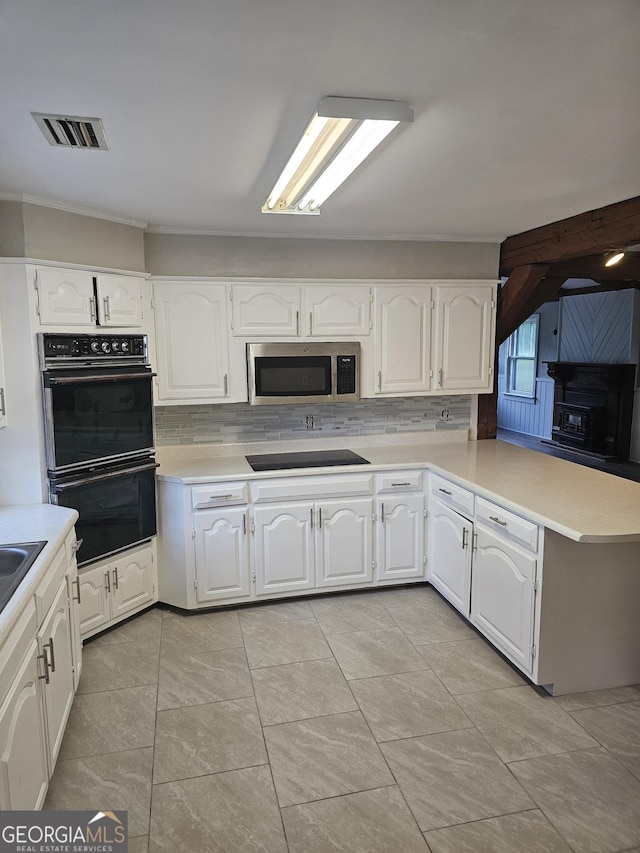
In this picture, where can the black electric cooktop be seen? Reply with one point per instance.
(304, 459)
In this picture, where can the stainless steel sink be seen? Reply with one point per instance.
(15, 561)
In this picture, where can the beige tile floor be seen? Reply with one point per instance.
(364, 723)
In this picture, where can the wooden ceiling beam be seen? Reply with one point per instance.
(524, 291)
(585, 234)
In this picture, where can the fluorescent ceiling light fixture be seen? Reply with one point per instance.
(341, 134)
(613, 257)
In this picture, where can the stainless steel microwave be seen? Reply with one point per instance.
(303, 373)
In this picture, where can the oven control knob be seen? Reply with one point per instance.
(95, 346)
(106, 346)
(115, 346)
(125, 346)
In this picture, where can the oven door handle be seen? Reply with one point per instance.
(57, 488)
(50, 381)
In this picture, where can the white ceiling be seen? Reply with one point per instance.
(526, 111)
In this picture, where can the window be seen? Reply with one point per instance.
(521, 359)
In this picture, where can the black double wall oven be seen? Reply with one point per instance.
(99, 436)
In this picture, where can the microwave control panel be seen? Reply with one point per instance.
(346, 371)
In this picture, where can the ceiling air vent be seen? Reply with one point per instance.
(72, 131)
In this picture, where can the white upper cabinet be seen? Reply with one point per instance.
(65, 297)
(191, 341)
(463, 336)
(337, 311)
(73, 298)
(266, 311)
(402, 339)
(119, 300)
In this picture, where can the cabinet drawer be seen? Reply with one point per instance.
(219, 494)
(400, 481)
(299, 488)
(48, 587)
(508, 523)
(451, 494)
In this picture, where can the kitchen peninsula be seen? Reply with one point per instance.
(550, 570)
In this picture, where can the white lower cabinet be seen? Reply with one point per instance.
(283, 558)
(344, 545)
(502, 597)
(400, 538)
(450, 542)
(39, 666)
(221, 554)
(113, 589)
(54, 646)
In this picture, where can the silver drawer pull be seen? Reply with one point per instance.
(497, 520)
(77, 583)
(400, 484)
(220, 497)
(43, 657)
(446, 491)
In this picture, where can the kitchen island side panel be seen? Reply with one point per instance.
(589, 629)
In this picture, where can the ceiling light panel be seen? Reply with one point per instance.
(340, 136)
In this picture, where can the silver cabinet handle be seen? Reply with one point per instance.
(3, 408)
(107, 312)
(474, 542)
(445, 491)
(310, 321)
(320, 517)
(226, 385)
(297, 322)
(440, 378)
(379, 380)
(43, 657)
(382, 513)
(311, 517)
(244, 524)
(395, 485)
(49, 645)
(76, 546)
(465, 537)
(77, 583)
(220, 497)
(92, 309)
(107, 581)
(498, 520)
(115, 578)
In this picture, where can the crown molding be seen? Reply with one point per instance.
(71, 208)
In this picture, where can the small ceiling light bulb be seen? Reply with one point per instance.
(612, 258)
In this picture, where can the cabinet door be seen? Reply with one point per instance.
(402, 339)
(283, 548)
(23, 754)
(54, 640)
(222, 554)
(119, 300)
(464, 330)
(450, 538)
(133, 582)
(65, 297)
(73, 594)
(400, 538)
(191, 342)
(266, 310)
(344, 535)
(94, 606)
(502, 598)
(331, 311)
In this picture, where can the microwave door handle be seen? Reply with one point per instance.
(50, 381)
(57, 488)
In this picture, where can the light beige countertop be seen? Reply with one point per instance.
(581, 503)
(32, 523)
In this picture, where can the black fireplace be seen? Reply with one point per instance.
(593, 407)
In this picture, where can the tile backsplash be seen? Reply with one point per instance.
(234, 423)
